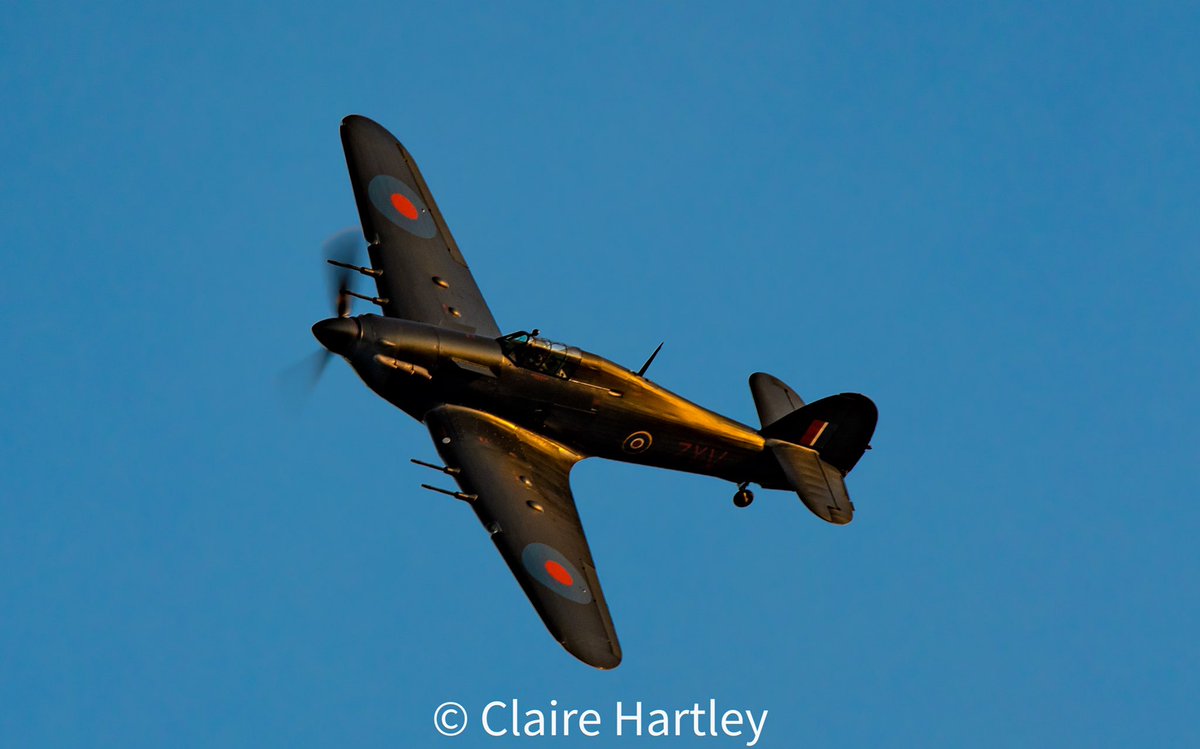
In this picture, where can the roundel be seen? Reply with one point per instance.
(401, 205)
(638, 442)
(550, 568)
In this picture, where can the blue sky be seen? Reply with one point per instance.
(983, 216)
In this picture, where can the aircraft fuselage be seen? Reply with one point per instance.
(597, 408)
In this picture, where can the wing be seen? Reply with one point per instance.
(424, 275)
(523, 498)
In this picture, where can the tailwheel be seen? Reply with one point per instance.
(744, 496)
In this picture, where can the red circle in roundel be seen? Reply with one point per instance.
(559, 573)
(404, 206)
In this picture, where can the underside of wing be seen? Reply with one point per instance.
(424, 276)
(519, 486)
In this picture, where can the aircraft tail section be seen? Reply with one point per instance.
(817, 445)
(837, 428)
(821, 487)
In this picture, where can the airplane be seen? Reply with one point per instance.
(511, 413)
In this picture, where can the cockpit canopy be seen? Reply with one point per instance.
(540, 355)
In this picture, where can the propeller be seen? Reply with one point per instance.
(297, 381)
(342, 253)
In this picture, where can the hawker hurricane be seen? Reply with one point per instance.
(510, 413)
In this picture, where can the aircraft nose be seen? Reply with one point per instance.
(338, 334)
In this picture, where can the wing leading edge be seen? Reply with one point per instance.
(425, 277)
(523, 498)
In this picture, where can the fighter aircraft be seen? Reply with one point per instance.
(511, 413)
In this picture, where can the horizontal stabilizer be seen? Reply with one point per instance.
(773, 398)
(820, 485)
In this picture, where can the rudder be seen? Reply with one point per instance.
(838, 428)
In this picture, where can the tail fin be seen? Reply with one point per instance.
(817, 445)
(838, 428)
(772, 398)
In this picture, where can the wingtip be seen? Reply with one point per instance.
(603, 663)
(364, 129)
(603, 658)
